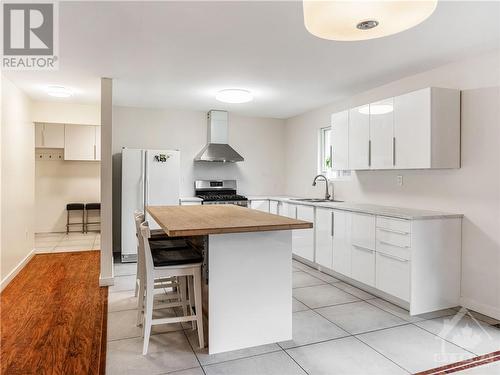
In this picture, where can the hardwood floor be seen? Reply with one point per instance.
(53, 317)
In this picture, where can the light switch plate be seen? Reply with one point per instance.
(400, 180)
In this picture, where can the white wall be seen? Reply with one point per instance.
(58, 183)
(473, 190)
(18, 170)
(67, 113)
(259, 140)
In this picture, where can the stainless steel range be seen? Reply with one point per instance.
(219, 192)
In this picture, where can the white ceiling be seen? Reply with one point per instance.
(179, 54)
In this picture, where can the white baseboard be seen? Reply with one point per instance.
(488, 310)
(7, 279)
(106, 281)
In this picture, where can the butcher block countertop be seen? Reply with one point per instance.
(201, 220)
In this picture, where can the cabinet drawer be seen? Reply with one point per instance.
(395, 225)
(393, 276)
(393, 238)
(393, 250)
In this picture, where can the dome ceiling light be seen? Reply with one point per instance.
(234, 96)
(59, 91)
(362, 20)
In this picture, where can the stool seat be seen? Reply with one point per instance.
(75, 206)
(167, 243)
(93, 206)
(175, 256)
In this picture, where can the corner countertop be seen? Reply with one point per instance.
(190, 199)
(199, 220)
(374, 209)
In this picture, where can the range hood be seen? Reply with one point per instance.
(217, 149)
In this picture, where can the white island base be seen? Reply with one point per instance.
(249, 289)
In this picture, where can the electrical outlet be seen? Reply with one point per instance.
(400, 180)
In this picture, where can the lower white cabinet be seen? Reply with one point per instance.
(393, 275)
(342, 242)
(260, 204)
(323, 228)
(274, 207)
(303, 239)
(363, 265)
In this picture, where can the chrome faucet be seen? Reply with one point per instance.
(327, 193)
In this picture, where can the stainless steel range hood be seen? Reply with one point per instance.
(217, 149)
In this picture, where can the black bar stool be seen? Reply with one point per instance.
(75, 207)
(92, 207)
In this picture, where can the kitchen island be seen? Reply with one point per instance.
(247, 267)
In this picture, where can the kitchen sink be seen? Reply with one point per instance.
(315, 200)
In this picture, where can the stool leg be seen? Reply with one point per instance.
(198, 305)
(191, 299)
(83, 221)
(182, 286)
(67, 222)
(140, 302)
(148, 317)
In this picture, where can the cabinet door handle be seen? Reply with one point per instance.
(333, 222)
(363, 248)
(393, 257)
(394, 151)
(369, 153)
(391, 244)
(392, 231)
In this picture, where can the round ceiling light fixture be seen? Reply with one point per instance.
(59, 91)
(361, 20)
(234, 96)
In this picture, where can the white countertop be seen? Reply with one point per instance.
(190, 199)
(374, 209)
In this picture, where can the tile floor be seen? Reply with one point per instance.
(337, 329)
(74, 241)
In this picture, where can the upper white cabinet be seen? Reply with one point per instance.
(49, 135)
(382, 134)
(359, 138)
(80, 142)
(418, 130)
(340, 140)
(427, 129)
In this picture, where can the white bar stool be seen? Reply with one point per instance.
(166, 263)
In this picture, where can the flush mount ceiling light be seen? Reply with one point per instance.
(361, 20)
(376, 109)
(234, 96)
(59, 91)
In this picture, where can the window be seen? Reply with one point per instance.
(325, 156)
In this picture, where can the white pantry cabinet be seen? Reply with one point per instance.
(323, 227)
(382, 134)
(81, 141)
(359, 138)
(427, 129)
(303, 239)
(340, 140)
(49, 135)
(260, 204)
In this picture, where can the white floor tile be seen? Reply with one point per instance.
(309, 327)
(359, 317)
(207, 359)
(277, 363)
(473, 335)
(44, 249)
(167, 352)
(321, 275)
(354, 291)
(414, 348)
(298, 306)
(120, 301)
(122, 283)
(301, 279)
(191, 371)
(343, 356)
(124, 269)
(52, 243)
(122, 324)
(322, 295)
(67, 248)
